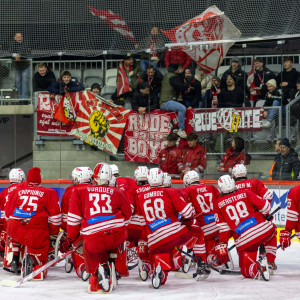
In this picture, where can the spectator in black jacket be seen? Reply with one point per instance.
(261, 76)
(141, 98)
(287, 78)
(287, 166)
(43, 78)
(235, 71)
(274, 97)
(191, 97)
(295, 104)
(232, 96)
(66, 84)
(154, 77)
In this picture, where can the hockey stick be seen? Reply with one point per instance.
(290, 239)
(14, 283)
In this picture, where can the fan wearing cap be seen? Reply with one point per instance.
(287, 165)
(96, 88)
(274, 97)
(170, 158)
(235, 71)
(193, 155)
(17, 180)
(261, 76)
(143, 100)
(99, 213)
(34, 215)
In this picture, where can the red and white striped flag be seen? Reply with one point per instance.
(115, 22)
(251, 84)
(211, 25)
(123, 83)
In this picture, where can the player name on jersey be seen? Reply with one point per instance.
(232, 199)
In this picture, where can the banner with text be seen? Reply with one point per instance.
(140, 132)
(100, 123)
(47, 104)
(227, 119)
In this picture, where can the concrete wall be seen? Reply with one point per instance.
(58, 159)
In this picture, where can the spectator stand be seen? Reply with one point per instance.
(8, 89)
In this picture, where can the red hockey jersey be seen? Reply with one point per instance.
(38, 205)
(194, 158)
(95, 210)
(230, 159)
(65, 202)
(241, 213)
(202, 197)
(292, 220)
(169, 160)
(256, 186)
(129, 186)
(135, 221)
(159, 209)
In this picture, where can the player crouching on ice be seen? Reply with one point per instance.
(159, 209)
(242, 214)
(239, 174)
(99, 212)
(34, 215)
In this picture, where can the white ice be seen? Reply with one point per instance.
(60, 285)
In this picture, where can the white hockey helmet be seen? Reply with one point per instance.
(114, 169)
(167, 180)
(190, 177)
(113, 181)
(239, 171)
(141, 173)
(102, 173)
(155, 177)
(16, 176)
(82, 174)
(226, 184)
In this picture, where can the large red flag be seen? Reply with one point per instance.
(114, 21)
(65, 111)
(123, 83)
(211, 25)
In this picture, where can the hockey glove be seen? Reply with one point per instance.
(221, 252)
(285, 239)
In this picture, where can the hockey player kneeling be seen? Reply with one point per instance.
(159, 209)
(242, 213)
(100, 213)
(34, 215)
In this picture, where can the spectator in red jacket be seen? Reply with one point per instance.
(169, 158)
(177, 56)
(236, 154)
(193, 155)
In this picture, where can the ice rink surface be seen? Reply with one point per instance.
(60, 285)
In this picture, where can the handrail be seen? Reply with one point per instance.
(266, 182)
